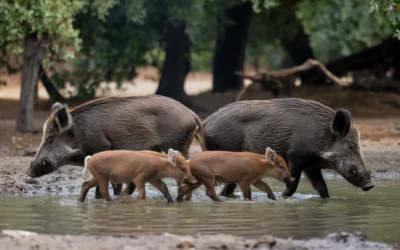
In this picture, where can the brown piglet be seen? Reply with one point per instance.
(244, 168)
(139, 167)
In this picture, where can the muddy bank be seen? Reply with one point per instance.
(27, 240)
(14, 180)
(382, 157)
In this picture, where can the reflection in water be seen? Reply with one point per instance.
(304, 215)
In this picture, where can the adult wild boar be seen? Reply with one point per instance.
(132, 123)
(308, 135)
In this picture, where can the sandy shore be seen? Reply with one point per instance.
(334, 241)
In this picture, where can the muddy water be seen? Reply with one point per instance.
(305, 215)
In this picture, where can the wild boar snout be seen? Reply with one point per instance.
(38, 169)
(367, 187)
(366, 183)
(357, 175)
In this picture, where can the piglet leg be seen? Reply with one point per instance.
(264, 187)
(85, 188)
(160, 185)
(246, 190)
(141, 189)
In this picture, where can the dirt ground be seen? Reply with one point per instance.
(27, 240)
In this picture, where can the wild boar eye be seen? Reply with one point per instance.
(354, 171)
(182, 169)
(50, 139)
(351, 147)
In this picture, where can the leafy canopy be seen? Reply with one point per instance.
(50, 20)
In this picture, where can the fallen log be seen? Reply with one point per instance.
(280, 74)
(377, 85)
(382, 56)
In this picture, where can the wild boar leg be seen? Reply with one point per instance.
(97, 194)
(314, 175)
(160, 185)
(124, 192)
(85, 188)
(246, 190)
(140, 187)
(132, 188)
(264, 187)
(116, 188)
(291, 187)
(228, 189)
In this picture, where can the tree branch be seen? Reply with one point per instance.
(279, 74)
(306, 66)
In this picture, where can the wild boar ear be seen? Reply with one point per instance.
(55, 107)
(341, 123)
(63, 119)
(270, 155)
(172, 156)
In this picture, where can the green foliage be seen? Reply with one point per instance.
(392, 10)
(341, 27)
(114, 45)
(106, 40)
(50, 20)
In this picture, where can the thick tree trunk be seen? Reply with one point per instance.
(48, 84)
(230, 48)
(34, 53)
(176, 64)
(299, 50)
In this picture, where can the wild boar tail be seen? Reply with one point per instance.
(85, 168)
(199, 134)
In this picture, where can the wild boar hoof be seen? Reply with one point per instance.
(287, 193)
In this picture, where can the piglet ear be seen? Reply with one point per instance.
(270, 155)
(172, 156)
(63, 119)
(55, 107)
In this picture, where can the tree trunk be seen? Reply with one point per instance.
(34, 53)
(176, 64)
(48, 84)
(299, 50)
(230, 48)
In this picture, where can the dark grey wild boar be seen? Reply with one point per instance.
(132, 123)
(307, 134)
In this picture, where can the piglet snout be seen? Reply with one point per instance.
(190, 181)
(289, 179)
